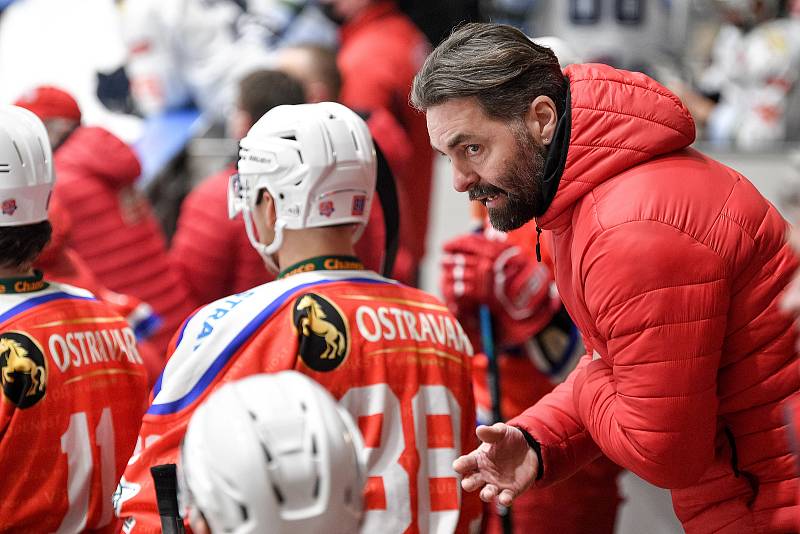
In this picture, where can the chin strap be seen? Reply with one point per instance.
(266, 251)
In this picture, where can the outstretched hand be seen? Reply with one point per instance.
(502, 467)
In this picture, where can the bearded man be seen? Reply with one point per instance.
(670, 264)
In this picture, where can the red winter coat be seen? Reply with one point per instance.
(671, 265)
(113, 227)
(381, 52)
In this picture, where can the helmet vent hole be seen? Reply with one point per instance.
(278, 494)
(19, 154)
(355, 141)
(316, 488)
(303, 406)
(281, 196)
(41, 146)
(5, 167)
(243, 509)
(314, 445)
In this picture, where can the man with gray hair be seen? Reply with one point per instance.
(670, 263)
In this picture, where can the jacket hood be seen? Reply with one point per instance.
(98, 152)
(619, 119)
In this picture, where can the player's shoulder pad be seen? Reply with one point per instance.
(216, 332)
(12, 304)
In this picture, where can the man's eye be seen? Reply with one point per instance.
(473, 149)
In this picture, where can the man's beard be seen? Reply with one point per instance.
(520, 183)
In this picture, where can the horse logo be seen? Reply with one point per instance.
(322, 331)
(23, 372)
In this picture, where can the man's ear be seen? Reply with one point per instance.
(541, 119)
(268, 205)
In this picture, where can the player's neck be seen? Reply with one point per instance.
(310, 243)
(15, 273)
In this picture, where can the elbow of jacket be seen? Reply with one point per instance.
(676, 474)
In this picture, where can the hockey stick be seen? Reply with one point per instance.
(386, 188)
(165, 481)
(492, 371)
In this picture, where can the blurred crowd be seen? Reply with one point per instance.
(157, 251)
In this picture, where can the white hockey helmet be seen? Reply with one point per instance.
(273, 453)
(26, 167)
(317, 162)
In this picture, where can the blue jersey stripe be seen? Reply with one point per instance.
(30, 303)
(227, 353)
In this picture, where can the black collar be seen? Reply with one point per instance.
(23, 284)
(323, 263)
(557, 154)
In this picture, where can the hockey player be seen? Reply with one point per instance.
(393, 356)
(73, 383)
(298, 466)
(537, 345)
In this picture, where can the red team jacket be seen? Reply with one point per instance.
(73, 393)
(393, 356)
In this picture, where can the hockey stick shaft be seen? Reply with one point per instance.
(165, 481)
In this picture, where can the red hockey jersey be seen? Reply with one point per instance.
(393, 356)
(73, 394)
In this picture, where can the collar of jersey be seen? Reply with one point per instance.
(323, 263)
(24, 284)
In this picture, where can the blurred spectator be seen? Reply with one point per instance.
(195, 51)
(57, 109)
(790, 302)
(743, 97)
(536, 345)
(210, 250)
(381, 51)
(315, 67)
(113, 227)
(62, 264)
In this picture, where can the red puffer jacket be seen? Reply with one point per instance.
(113, 226)
(671, 264)
(381, 52)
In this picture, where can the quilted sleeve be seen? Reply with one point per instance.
(659, 299)
(565, 443)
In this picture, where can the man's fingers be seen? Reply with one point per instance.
(472, 482)
(488, 492)
(506, 497)
(464, 465)
(491, 434)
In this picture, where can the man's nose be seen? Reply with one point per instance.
(463, 178)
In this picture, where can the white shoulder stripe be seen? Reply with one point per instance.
(214, 334)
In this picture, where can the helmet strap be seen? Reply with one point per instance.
(267, 252)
